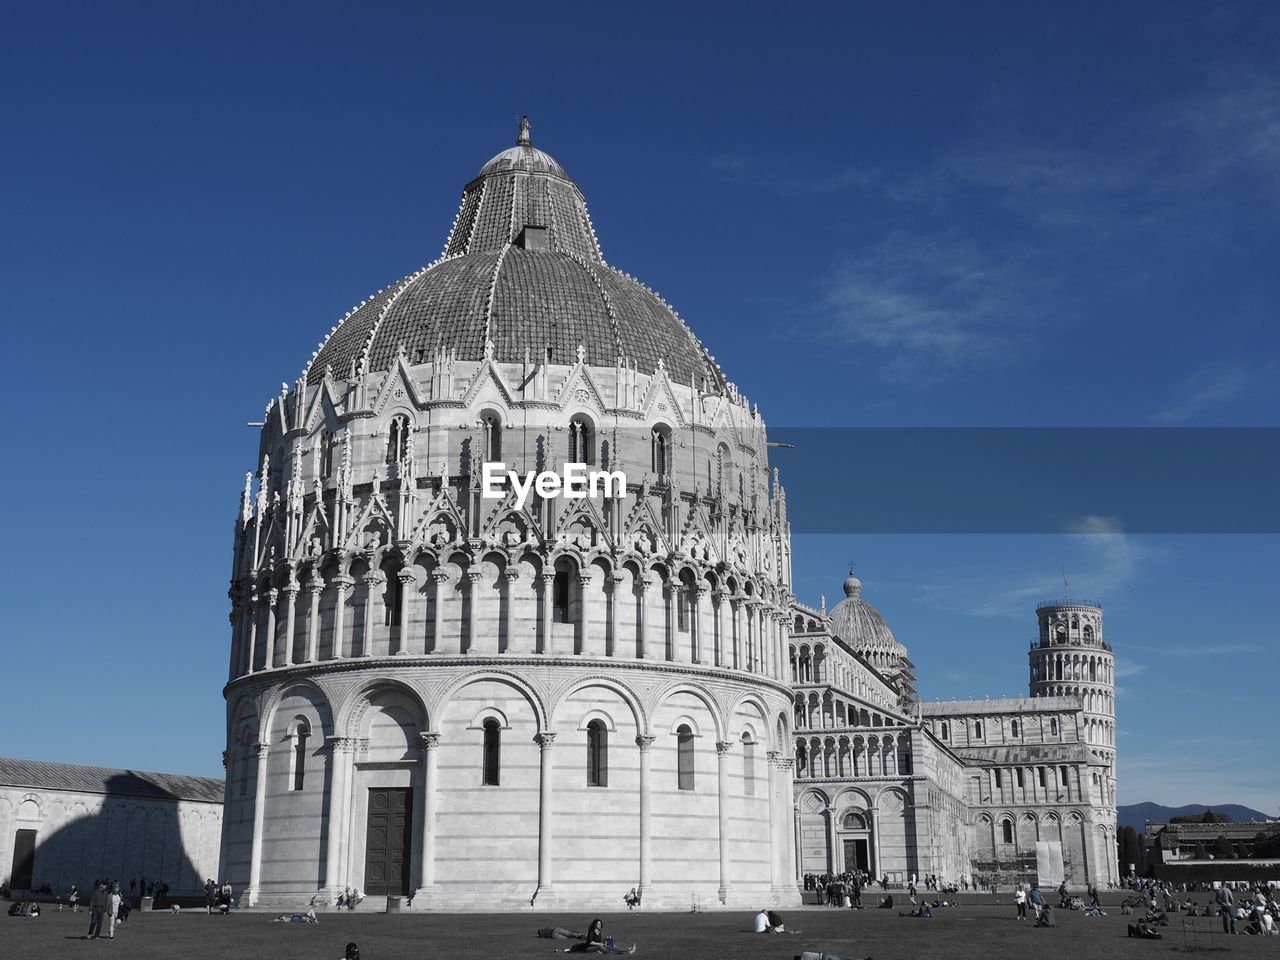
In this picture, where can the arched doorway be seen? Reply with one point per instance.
(855, 843)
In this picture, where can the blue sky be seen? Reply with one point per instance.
(925, 214)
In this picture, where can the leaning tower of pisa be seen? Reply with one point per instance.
(1071, 657)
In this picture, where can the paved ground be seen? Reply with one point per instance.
(980, 932)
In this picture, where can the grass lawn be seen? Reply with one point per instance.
(980, 932)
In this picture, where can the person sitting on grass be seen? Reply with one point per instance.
(924, 911)
(1144, 931)
(596, 942)
(632, 899)
(351, 953)
(767, 921)
(1046, 917)
(887, 903)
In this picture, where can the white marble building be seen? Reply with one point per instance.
(62, 824)
(455, 699)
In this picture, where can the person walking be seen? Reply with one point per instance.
(1020, 900)
(1226, 909)
(113, 909)
(1037, 900)
(97, 909)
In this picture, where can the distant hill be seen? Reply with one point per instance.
(1136, 815)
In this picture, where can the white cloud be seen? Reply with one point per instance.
(1204, 390)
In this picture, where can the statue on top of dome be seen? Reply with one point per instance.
(524, 140)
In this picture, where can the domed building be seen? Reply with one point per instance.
(450, 687)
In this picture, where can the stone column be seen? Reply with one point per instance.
(668, 595)
(877, 868)
(259, 812)
(548, 581)
(717, 629)
(789, 853)
(590, 644)
(775, 813)
(832, 867)
(642, 616)
(611, 632)
(438, 580)
(371, 582)
(315, 588)
(431, 756)
(270, 640)
(645, 744)
(291, 590)
(695, 625)
(509, 578)
(473, 605)
(722, 784)
(735, 630)
(407, 584)
(546, 741)
(341, 584)
(339, 757)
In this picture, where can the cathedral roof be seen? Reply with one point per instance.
(521, 269)
(42, 775)
(860, 625)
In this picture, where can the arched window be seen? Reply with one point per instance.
(581, 441)
(684, 757)
(1053, 726)
(491, 428)
(391, 598)
(397, 439)
(1013, 728)
(560, 597)
(1018, 775)
(324, 450)
(946, 730)
(492, 751)
(999, 781)
(660, 452)
(1006, 829)
(1088, 632)
(748, 765)
(977, 729)
(597, 754)
(298, 755)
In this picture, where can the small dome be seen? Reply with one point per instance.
(860, 625)
(526, 159)
(852, 586)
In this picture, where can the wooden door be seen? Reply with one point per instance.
(387, 841)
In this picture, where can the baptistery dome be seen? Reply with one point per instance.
(521, 270)
(450, 692)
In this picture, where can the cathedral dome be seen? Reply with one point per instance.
(521, 270)
(860, 625)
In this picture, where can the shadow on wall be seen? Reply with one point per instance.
(142, 830)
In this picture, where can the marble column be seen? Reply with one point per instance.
(735, 630)
(291, 590)
(509, 578)
(615, 581)
(546, 741)
(270, 640)
(646, 836)
(259, 813)
(642, 616)
(473, 610)
(695, 625)
(439, 583)
(548, 581)
(407, 584)
(722, 785)
(775, 813)
(431, 758)
(668, 599)
(339, 760)
(589, 643)
(315, 589)
(341, 584)
(371, 583)
(830, 815)
(717, 629)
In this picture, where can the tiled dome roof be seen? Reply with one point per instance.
(521, 268)
(860, 625)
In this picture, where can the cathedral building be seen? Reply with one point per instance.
(901, 788)
(450, 685)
